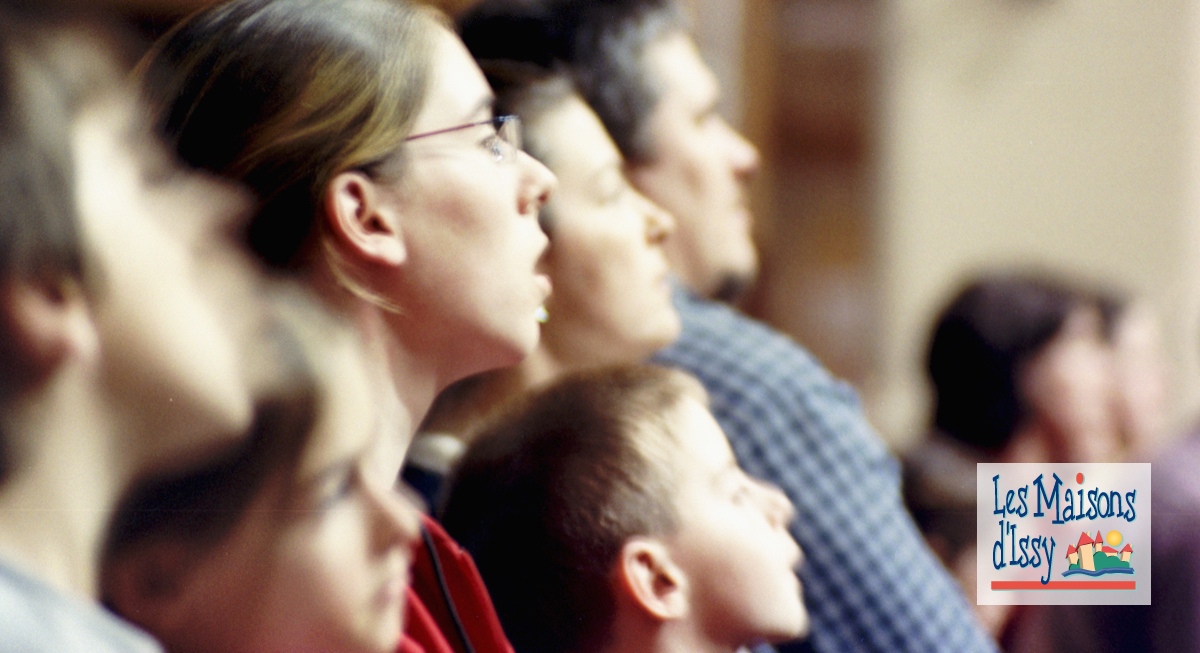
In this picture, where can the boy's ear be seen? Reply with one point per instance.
(361, 220)
(652, 580)
(43, 323)
(144, 585)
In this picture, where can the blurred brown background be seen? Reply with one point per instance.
(910, 144)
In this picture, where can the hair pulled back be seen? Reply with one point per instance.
(285, 94)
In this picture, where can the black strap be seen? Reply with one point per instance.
(445, 588)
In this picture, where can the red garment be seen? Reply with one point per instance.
(429, 623)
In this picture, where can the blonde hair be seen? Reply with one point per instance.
(285, 94)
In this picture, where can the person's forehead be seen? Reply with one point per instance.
(698, 437)
(574, 143)
(458, 91)
(104, 150)
(675, 65)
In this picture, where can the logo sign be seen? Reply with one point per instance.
(1063, 534)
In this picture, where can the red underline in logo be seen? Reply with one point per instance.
(1064, 585)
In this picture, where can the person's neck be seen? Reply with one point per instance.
(469, 403)
(405, 370)
(65, 483)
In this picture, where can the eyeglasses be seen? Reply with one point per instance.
(503, 144)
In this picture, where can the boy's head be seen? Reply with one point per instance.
(609, 505)
(298, 541)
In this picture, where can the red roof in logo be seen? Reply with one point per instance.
(1127, 548)
(1108, 549)
(1084, 538)
(1070, 549)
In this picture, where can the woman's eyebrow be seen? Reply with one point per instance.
(484, 105)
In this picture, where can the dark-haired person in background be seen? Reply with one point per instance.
(789, 422)
(1021, 373)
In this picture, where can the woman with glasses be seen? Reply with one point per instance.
(385, 181)
(387, 184)
(612, 294)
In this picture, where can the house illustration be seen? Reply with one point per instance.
(1094, 558)
(1086, 552)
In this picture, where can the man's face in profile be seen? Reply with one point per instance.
(698, 171)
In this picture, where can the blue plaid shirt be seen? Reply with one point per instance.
(870, 581)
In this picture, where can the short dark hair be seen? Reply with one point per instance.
(552, 488)
(980, 343)
(601, 43)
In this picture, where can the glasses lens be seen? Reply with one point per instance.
(510, 130)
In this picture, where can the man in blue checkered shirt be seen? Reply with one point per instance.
(871, 583)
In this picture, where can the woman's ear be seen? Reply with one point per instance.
(360, 220)
(651, 579)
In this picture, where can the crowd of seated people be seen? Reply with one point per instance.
(300, 254)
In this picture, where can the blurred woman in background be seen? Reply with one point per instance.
(1021, 372)
(1132, 329)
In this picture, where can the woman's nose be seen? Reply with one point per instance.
(537, 183)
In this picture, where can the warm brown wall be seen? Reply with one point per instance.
(1047, 132)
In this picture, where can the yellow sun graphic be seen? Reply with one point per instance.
(1113, 538)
